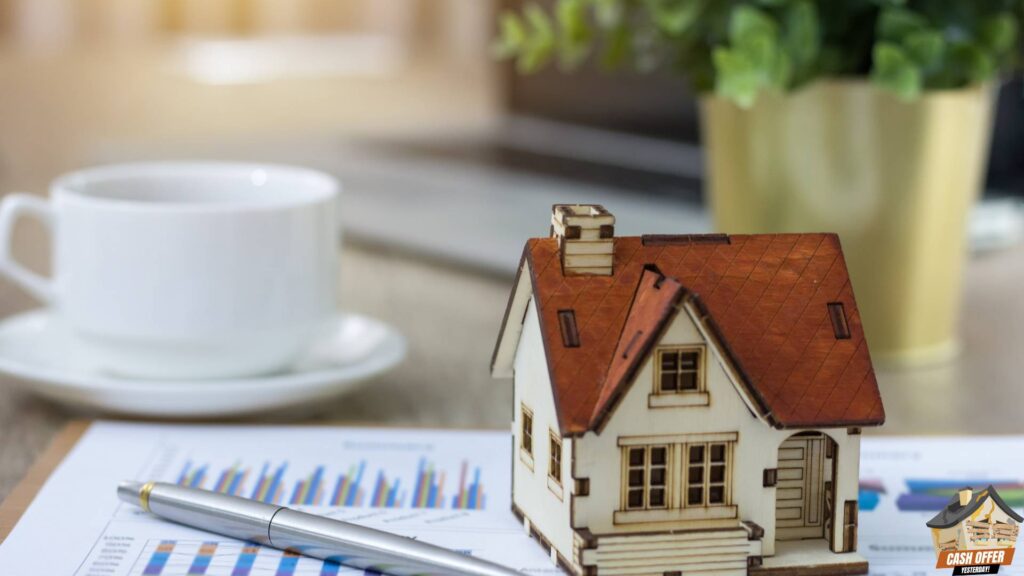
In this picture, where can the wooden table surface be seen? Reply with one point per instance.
(451, 316)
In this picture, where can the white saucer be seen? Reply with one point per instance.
(37, 350)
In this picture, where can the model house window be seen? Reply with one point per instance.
(707, 474)
(646, 477)
(526, 438)
(840, 324)
(567, 325)
(679, 370)
(555, 461)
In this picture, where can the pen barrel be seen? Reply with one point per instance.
(228, 515)
(367, 548)
(308, 534)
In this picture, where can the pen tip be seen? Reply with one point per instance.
(128, 491)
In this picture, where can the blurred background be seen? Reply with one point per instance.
(409, 84)
(449, 161)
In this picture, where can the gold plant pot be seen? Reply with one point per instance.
(896, 180)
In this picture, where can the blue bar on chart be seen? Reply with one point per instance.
(330, 568)
(347, 491)
(288, 563)
(429, 492)
(202, 560)
(309, 491)
(269, 487)
(231, 480)
(385, 494)
(245, 560)
(469, 497)
(158, 560)
(869, 493)
(193, 478)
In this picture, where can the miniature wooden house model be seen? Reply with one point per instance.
(686, 404)
(975, 521)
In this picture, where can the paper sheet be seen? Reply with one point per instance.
(448, 488)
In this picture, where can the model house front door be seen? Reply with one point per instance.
(805, 466)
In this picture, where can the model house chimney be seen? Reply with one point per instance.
(586, 237)
(965, 496)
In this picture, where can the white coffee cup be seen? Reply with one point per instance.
(186, 269)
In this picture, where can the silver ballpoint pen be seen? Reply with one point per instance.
(307, 534)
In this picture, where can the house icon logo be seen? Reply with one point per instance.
(975, 533)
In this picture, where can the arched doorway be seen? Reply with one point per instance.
(804, 493)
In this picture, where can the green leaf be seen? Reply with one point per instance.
(572, 20)
(802, 36)
(893, 69)
(539, 22)
(754, 60)
(539, 45)
(511, 35)
(894, 24)
(748, 22)
(755, 34)
(575, 32)
(738, 78)
(925, 47)
(999, 33)
(761, 50)
(674, 17)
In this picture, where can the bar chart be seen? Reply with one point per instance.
(385, 493)
(230, 558)
(428, 486)
(469, 497)
(429, 492)
(347, 490)
(447, 488)
(309, 492)
(231, 481)
(869, 493)
(935, 494)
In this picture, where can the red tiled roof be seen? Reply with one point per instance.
(764, 297)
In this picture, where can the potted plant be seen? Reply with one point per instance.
(870, 118)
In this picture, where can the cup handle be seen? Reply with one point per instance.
(12, 208)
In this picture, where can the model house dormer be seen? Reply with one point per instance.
(675, 392)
